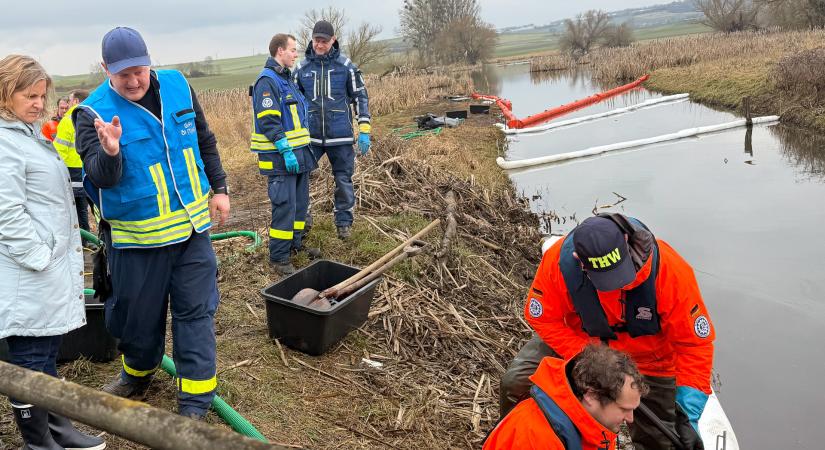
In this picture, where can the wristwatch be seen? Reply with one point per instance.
(221, 190)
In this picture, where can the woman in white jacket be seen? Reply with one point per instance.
(41, 258)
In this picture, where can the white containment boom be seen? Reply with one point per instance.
(593, 151)
(578, 120)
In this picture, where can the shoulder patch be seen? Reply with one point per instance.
(536, 309)
(701, 326)
(267, 102)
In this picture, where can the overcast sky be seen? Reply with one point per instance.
(65, 35)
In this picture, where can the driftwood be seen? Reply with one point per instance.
(132, 420)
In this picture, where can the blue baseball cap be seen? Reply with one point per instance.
(603, 251)
(123, 47)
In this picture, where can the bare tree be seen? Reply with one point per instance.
(422, 21)
(96, 74)
(466, 39)
(582, 34)
(618, 35)
(792, 14)
(337, 17)
(728, 15)
(362, 47)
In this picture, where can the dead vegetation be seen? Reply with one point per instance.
(423, 371)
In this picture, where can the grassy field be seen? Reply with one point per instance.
(240, 72)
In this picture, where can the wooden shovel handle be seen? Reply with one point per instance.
(333, 291)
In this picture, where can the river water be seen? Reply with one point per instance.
(745, 209)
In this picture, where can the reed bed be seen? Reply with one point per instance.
(628, 63)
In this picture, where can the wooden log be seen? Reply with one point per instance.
(132, 420)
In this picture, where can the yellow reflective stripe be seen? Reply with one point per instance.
(365, 128)
(197, 387)
(298, 132)
(192, 168)
(280, 234)
(259, 146)
(163, 193)
(259, 137)
(296, 121)
(180, 216)
(159, 237)
(299, 142)
(135, 372)
(266, 165)
(299, 225)
(268, 112)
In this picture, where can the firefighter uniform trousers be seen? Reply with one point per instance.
(342, 160)
(289, 195)
(147, 282)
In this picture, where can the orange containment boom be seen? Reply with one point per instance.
(513, 122)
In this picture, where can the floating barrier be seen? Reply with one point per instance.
(513, 122)
(578, 120)
(690, 132)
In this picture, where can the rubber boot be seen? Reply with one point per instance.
(283, 267)
(65, 434)
(344, 232)
(33, 423)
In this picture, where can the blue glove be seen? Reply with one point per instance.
(291, 162)
(283, 145)
(692, 401)
(364, 143)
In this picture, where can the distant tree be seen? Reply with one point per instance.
(363, 48)
(584, 32)
(618, 35)
(466, 39)
(792, 14)
(729, 15)
(96, 74)
(424, 21)
(337, 17)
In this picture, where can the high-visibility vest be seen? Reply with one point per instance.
(163, 191)
(64, 144)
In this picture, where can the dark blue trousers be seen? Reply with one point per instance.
(289, 195)
(146, 283)
(38, 353)
(342, 159)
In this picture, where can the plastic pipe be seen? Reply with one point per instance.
(256, 239)
(578, 120)
(224, 411)
(690, 132)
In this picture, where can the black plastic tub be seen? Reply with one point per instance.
(310, 330)
(91, 341)
(479, 109)
(461, 114)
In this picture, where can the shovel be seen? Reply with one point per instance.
(321, 300)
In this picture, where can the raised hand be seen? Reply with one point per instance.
(109, 135)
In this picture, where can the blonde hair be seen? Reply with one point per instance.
(19, 72)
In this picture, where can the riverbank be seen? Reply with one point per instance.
(442, 329)
(779, 70)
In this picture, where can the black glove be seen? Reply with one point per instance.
(687, 434)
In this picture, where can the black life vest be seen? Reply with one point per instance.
(641, 316)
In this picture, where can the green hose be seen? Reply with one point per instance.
(224, 411)
(256, 239)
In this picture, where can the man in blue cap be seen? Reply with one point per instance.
(332, 84)
(153, 170)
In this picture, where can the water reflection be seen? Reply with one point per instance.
(803, 149)
(487, 80)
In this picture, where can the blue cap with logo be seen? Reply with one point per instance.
(123, 47)
(602, 249)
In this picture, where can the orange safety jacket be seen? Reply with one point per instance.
(527, 428)
(683, 347)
